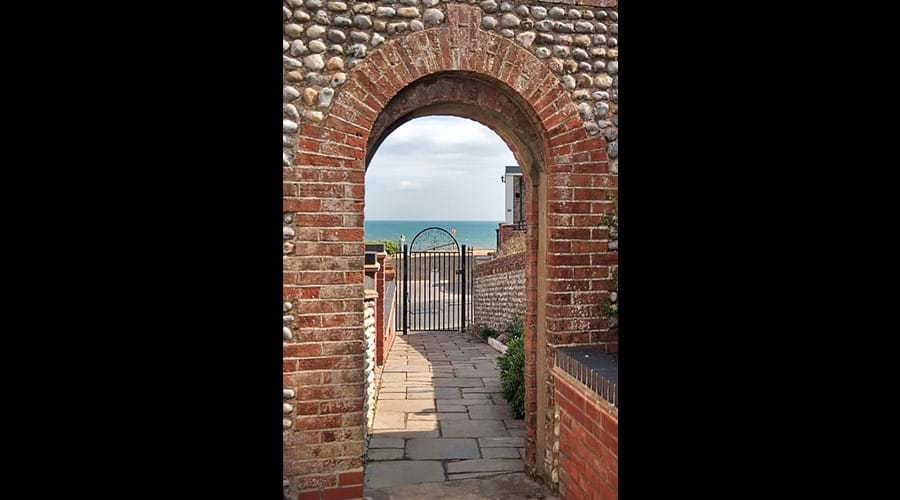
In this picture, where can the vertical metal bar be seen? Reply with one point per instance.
(425, 290)
(469, 266)
(454, 300)
(420, 319)
(396, 293)
(449, 263)
(437, 291)
(429, 262)
(405, 289)
(462, 323)
(450, 275)
(416, 289)
(447, 310)
(435, 299)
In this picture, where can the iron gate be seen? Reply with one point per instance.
(434, 283)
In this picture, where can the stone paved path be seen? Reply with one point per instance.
(440, 415)
(516, 486)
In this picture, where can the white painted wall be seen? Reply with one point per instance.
(510, 196)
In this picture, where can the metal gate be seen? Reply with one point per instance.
(434, 283)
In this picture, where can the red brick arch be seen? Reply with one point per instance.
(461, 70)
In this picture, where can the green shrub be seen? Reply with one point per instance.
(391, 247)
(516, 328)
(512, 375)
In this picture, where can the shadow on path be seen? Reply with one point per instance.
(440, 417)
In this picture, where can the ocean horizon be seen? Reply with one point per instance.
(479, 234)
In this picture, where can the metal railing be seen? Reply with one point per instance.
(597, 370)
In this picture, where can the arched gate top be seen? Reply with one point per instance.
(434, 239)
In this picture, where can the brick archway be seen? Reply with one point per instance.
(461, 70)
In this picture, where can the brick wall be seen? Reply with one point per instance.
(499, 291)
(588, 442)
(510, 239)
(385, 338)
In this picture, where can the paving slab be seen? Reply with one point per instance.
(458, 382)
(385, 443)
(500, 452)
(441, 415)
(404, 434)
(419, 395)
(486, 465)
(463, 372)
(421, 425)
(501, 442)
(464, 402)
(388, 419)
(395, 473)
(409, 405)
(441, 448)
(480, 390)
(390, 454)
(472, 428)
(436, 393)
(402, 388)
(452, 408)
(406, 368)
(492, 412)
(477, 486)
(471, 475)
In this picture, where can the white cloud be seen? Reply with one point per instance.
(408, 186)
(447, 168)
(443, 131)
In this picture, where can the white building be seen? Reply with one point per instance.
(515, 195)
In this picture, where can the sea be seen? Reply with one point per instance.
(474, 234)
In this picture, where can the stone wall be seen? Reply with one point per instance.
(586, 437)
(498, 290)
(370, 318)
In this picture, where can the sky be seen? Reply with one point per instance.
(438, 168)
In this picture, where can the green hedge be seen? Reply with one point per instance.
(512, 375)
(391, 247)
(516, 328)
